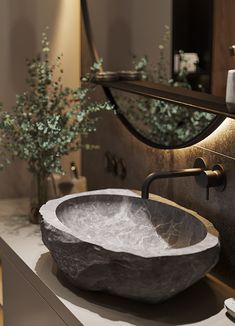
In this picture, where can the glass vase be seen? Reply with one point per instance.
(38, 196)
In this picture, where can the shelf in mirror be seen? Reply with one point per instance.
(188, 98)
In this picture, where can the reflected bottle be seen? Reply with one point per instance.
(230, 91)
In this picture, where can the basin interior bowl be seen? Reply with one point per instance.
(129, 224)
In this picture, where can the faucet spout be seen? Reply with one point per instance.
(167, 174)
(204, 177)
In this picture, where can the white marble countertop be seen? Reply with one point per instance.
(20, 243)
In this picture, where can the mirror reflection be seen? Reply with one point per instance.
(157, 31)
(170, 42)
(161, 122)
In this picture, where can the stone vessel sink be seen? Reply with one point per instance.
(114, 241)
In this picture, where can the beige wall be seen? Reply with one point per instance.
(22, 22)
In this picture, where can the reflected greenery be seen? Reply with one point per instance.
(161, 122)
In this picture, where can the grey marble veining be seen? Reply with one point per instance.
(128, 224)
(113, 241)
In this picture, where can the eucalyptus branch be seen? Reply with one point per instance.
(48, 118)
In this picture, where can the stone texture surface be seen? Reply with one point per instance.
(113, 241)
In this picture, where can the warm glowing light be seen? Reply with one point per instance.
(67, 40)
(218, 134)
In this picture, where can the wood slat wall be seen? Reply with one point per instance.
(1, 300)
(1, 317)
(224, 37)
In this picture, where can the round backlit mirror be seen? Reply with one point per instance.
(165, 44)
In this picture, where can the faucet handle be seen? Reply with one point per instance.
(214, 178)
(221, 177)
(207, 193)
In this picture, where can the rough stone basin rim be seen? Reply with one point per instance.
(111, 240)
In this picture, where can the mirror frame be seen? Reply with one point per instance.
(190, 99)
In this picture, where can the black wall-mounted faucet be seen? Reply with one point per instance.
(204, 177)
